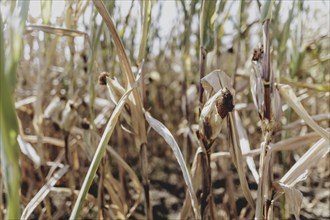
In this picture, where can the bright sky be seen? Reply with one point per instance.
(169, 9)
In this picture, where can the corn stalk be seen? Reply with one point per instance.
(266, 84)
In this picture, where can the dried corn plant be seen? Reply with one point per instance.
(111, 110)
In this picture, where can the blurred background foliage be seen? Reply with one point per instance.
(65, 45)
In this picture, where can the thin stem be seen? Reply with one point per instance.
(100, 194)
(266, 70)
(145, 180)
(202, 64)
(207, 211)
(238, 57)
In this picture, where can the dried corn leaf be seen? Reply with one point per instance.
(292, 100)
(257, 88)
(115, 89)
(215, 81)
(300, 122)
(135, 180)
(309, 159)
(288, 144)
(25, 101)
(29, 151)
(276, 106)
(54, 109)
(69, 116)
(114, 194)
(168, 137)
(299, 172)
(238, 158)
(41, 195)
(196, 172)
(56, 30)
(294, 197)
(294, 143)
(245, 146)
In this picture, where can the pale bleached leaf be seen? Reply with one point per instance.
(197, 174)
(309, 159)
(26, 101)
(54, 109)
(299, 172)
(257, 88)
(168, 137)
(29, 151)
(294, 198)
(43, 192)
(215, 81)
(69, 116)
(292, 100)
(238, 158)
(292, 143)
(276, 104)
(296, 142)
(115, 89)
(245, 146)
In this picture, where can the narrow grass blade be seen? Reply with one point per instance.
(168, 137)
(43, 192)
(9, 149)
(98, 155)
(56, 30)
(146, 8)
(292, 100)
(208, 16)
(266, 10)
